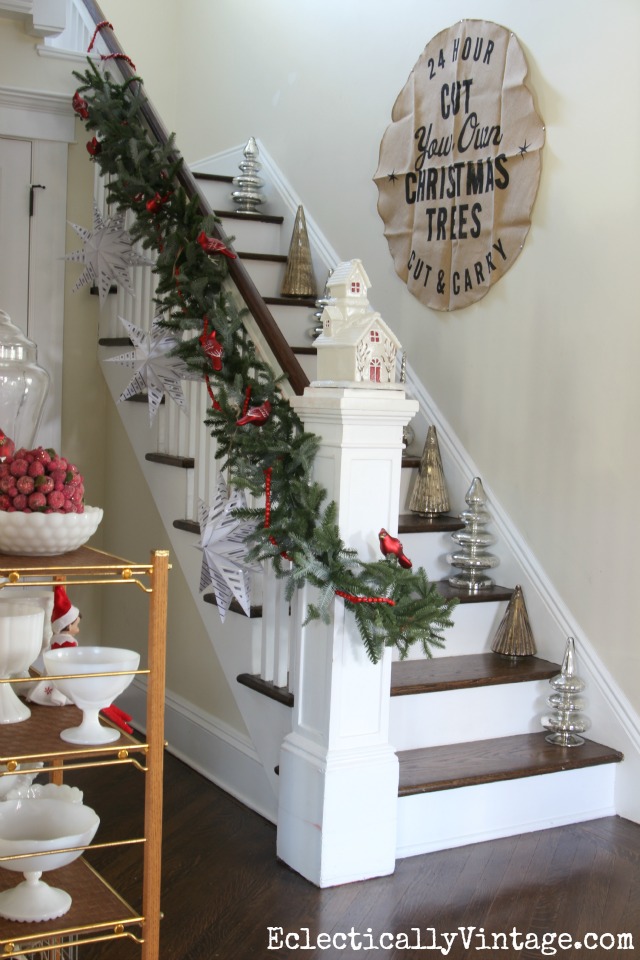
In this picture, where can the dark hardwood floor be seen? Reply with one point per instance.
(223, 887)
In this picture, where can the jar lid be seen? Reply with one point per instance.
(14, 345)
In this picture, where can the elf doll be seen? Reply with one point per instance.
(65, 626)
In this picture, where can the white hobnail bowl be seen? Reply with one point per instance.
(46, 534)
(91, 694)
(20, 642)
(17, 780)
(34, 826)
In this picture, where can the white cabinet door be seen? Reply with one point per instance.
(15, 182)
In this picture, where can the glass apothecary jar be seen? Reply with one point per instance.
(23, 384)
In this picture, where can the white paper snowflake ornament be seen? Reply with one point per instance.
(156, 370)
(108, 254)
(223, 541)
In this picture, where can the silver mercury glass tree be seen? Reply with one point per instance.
(248, 196)
(472, 559)
(566, 722)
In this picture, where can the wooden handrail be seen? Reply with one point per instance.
(237, 271)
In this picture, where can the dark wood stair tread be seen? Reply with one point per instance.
(217, 177)
(240, 215)
(170, 460)
(487, 761)
(417, 523)
(445, 590)
(470, 670)
(264, 257)
(265, 687)
(234, 606)
(115, 342)
(290, 301)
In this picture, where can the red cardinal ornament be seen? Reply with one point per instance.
(213, 349)
(211, 245)
(7, 446)
(157, 201)
(94, 146)
(389, 544)
(80, 106)
(256, 415)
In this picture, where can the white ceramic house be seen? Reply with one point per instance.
(356, 345)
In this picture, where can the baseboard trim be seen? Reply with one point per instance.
(221, 754)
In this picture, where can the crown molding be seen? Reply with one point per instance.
(36, 114)
(42, 18)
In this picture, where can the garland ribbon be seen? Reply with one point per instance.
(111, 56)
(352, 599)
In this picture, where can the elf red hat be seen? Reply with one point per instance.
(64, 612)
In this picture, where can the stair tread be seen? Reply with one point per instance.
(417, 523)
(171, 460)
(493, 593)
(486, 761)
(234, 606)
(266, 687)
(240, 215)
(469, 670)
(264, 257)
(290, 301)
(218, 177)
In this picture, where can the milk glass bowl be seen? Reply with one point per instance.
(21, 626)
(35, 826)
(91, 693)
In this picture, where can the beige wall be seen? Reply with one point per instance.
(538, 379)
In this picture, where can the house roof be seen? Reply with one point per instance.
(344, 272)
(352, 331)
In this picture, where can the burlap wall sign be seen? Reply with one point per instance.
(460, 165)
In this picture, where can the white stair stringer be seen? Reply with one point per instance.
(443, 819)
(236, 641)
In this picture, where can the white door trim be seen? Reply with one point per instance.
(47, 120)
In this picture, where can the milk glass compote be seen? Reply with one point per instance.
(111, 672)
(28, 829)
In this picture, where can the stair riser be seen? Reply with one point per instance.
(453, 818)
(478, 713)
(309, 364)
(253, 236)
(473, 631)
(267, 276)
(429, 550)
(217, 193)
(295, 323)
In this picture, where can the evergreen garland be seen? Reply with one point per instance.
(392, 606)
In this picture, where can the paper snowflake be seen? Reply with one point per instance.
(156, 370)
(108, 254)
(223, 541)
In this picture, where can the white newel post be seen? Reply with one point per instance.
(338, 772)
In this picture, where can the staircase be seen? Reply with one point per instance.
(473, 760)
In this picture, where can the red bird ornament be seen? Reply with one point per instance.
(389, 544)
(211, 245)
(213, 349)
(80, 106)
(256, 415)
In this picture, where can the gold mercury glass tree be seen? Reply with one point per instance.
(299, 279)
(429, 495)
